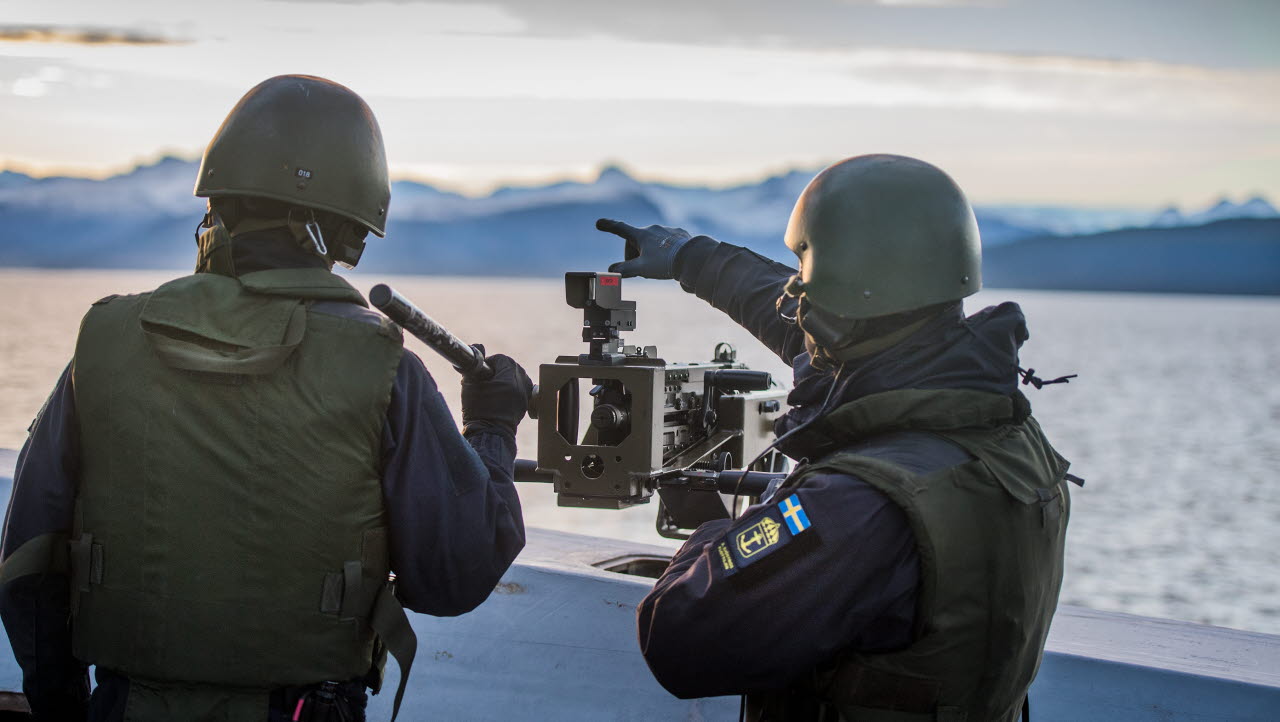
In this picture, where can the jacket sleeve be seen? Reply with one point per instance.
(746, 286)
(455, 520)
(36, 607)
(849, 580)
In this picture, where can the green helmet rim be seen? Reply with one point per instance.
(881, 234)
(302, 140)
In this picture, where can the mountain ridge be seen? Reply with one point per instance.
(132, 220)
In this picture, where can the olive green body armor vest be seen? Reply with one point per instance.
(230, 528)
(990, 534)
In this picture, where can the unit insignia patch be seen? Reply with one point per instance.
(761, 534)
(757, 537)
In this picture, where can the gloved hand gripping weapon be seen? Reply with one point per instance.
(680, 429)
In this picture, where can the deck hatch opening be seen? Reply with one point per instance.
(650, 566)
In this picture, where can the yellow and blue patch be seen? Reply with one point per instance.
(793, 512)
(761, 534)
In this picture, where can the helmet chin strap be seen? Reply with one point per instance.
(304, 227)
(213, 238)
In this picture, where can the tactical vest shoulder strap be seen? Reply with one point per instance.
(309, 283)
(890, 479)
(901, 487)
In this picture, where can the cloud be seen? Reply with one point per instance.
(80, 36)
(710, 89)
(1215, 33)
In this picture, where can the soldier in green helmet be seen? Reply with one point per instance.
(210, 504)
(908, 569)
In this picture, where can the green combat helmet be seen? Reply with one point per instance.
(882, 234)
(305, 141)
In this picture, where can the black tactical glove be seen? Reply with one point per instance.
(500, 400)
(650, 252)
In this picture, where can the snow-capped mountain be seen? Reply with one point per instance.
(755, 209)
(139, 219)
(1170, 217)
(1256, 207)
(162, 188)
(748, 208)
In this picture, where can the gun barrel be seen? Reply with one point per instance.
(464, 357)
(753, 484)
(527, 470)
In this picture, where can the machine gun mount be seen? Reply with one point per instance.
(674, 428)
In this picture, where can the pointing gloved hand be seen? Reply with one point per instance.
(501, 399)
(650, 252)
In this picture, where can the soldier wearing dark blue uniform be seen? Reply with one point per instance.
(208, 505)
(909, 568)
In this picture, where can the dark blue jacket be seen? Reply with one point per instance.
(448, 549)
(851, 584)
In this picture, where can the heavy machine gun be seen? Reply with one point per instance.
(682, 430)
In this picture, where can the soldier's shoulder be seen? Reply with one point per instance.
(115, 306)
(359, 314)
(120, 297)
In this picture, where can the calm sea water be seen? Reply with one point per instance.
(1174, 421)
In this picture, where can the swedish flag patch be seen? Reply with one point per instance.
(760, 535)
(793, 512)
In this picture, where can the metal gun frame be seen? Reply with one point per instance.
(679, 429)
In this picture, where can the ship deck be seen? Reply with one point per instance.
(556, 640)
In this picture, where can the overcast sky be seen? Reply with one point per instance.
(1100, 102)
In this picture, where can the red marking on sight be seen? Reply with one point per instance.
(609, 280)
